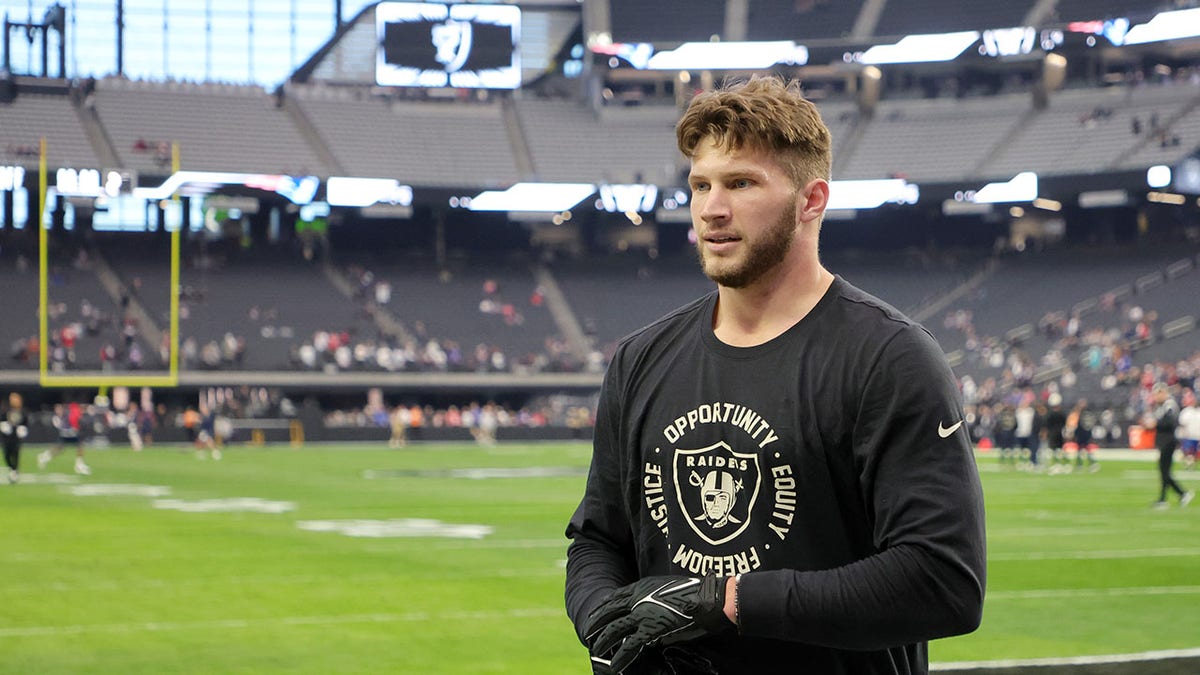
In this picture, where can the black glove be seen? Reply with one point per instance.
(655, 612)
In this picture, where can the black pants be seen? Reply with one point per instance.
(1166, 457)
(12, 455)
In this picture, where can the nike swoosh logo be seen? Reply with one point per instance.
(945, 432)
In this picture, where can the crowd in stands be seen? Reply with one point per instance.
(1083, 360)
(1104, 349)
(416, 349)
(549, 411)
(993, 414)
(87, 331)
(228, 352)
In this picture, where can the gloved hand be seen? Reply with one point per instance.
(655, 612)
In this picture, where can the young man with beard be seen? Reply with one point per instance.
(781, 481)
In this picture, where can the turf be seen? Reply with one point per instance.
(1079, 564)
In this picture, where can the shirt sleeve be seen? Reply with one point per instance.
(600, 558)
(920, 487)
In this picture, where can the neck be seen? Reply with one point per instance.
(758, 313)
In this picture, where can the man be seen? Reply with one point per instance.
(1006, 434)
(1028, 431)
(1056, 422)
(69, 422)
(1164, 418)
(1189, 428)
(1082, 421)
(781, 480)
(207, 437)
(14, 427)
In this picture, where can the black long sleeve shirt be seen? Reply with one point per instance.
(829, 466)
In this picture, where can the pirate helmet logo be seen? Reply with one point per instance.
(719, 492)
(716, 488)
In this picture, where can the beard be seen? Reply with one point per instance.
(761, 255)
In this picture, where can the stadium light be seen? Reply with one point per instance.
(533, 197)
(628, 198)
(1096, 199)
(729, 56)
(360, 192)
(1171, 198)
(637, 54)
(1158, 176)
(1175, 25)
(297, 189)
(1022, 188)
(870, 194)
(1018, 41)
(922, 48)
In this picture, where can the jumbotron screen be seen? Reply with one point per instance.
(436, 45)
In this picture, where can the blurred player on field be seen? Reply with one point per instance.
(14, 427)
(206, 436)
(68, 420)
(399, 427)
(1164, 419)
(1056, 422)
(1189, 428)
(1080, 423)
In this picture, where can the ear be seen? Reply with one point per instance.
(811, 200)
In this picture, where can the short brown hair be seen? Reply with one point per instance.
(764, 113)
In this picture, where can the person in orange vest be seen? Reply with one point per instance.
(191, 423)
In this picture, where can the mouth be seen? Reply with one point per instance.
(721, 238)
(721, 243)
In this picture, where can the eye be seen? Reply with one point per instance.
(742, 183)
(699, 187)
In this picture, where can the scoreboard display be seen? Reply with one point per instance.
(437, 45)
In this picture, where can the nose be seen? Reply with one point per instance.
(712, 206)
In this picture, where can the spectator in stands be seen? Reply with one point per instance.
(188, 353)
(891, 514)
(1189, 428)
(19, 351)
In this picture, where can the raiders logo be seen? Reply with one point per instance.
(716, 488)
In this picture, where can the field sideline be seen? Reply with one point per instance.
(449, 559)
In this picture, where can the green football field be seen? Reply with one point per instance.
(449, 559)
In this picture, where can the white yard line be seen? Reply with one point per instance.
(164, 626)
(1094, 555)
(1093, 592)
(1070, 660)
(554, 569)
